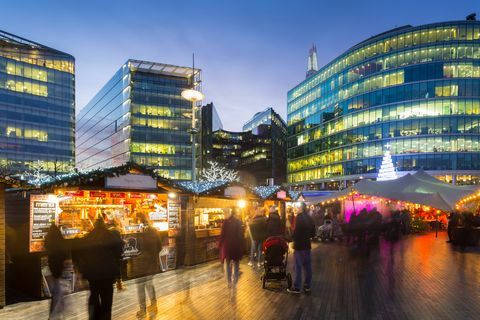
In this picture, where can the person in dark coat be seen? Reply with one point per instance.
(257, 228)
(275, 226)
(57, 254)
(231, 247)
(303, 233)
(101, 264)
(151, 247)
(452, 224)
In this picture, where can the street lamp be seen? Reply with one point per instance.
(193, 96)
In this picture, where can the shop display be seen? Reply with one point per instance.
(209, 218)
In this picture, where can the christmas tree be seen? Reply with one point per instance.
(387, 170)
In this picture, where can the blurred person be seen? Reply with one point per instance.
(101, 257)
(231, 248)
(257, 228)
(57, 254)
(151, 248)
(275, 225)
(302, 234)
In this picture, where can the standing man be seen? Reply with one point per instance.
(257, 228)
(303, 232)
(102, 261)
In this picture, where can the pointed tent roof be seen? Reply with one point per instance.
(420, 188)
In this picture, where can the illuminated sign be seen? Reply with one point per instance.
(43, 209)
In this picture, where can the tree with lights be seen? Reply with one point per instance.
(387, 170)
(217, 172)
(36, 174)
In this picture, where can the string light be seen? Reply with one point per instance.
(201, 186)
(265, 192)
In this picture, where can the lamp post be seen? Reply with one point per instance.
(193, 96)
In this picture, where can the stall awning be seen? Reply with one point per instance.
(419, 188)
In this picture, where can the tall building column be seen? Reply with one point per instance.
(2, 245)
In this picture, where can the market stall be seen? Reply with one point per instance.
(208, 206)
(125, 197)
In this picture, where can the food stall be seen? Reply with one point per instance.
(208, 206)
(125, 197)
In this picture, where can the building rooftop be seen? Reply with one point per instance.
(162, 68)
(6, 37)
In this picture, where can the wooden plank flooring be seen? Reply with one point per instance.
(419, 277)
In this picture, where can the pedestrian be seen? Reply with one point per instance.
(151, 247)
(257, 228)
(231, 248)
(116, 225)
(101, 267)
(56, 248)
(452, 224)
(275, 226)
(302, 234)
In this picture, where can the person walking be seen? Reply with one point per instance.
(101, 267)
(231, 248)
(257, 228)
(150, 248)
(57, 254)
(302, 234)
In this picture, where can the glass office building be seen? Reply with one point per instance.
(37, 105)
(139, 116)
(414, 88)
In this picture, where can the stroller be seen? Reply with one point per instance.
(275, 250)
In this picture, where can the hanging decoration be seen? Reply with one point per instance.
(387, 170)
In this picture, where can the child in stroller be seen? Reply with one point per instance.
(330, 230)
(275, 250)
(325, 231)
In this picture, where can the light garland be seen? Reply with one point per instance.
(470, 198)
(201, 186)
(294, 194)
(265, 192)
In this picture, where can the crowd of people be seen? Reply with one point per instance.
(98, 256)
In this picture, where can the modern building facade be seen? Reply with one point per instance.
(37, 105)
(210, 122)
(414, 88)
(140, 116)
(258, 152)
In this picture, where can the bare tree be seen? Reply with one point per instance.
(217, 172)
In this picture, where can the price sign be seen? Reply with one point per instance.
(43, 210)
(173, 214)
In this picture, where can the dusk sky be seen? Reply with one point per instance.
(251, 52)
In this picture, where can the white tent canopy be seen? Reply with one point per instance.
(419, 188)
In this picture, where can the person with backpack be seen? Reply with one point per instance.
(257, 228)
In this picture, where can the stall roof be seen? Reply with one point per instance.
(419, 188)
(13, 182)
(94, 176)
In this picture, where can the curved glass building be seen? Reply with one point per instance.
(414, 88)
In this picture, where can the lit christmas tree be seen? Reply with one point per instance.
(387, 170)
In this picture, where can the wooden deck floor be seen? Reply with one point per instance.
(419, 277)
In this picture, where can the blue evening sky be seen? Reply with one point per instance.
(251, 52)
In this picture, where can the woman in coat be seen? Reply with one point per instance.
(231, 247)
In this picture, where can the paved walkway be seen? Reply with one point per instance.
(419, 277)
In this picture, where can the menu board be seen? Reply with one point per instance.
(43, 210)
(173, 214)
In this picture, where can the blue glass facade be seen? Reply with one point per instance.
(37, 105)
(139, 116)
(416, 88)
